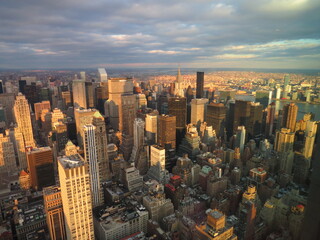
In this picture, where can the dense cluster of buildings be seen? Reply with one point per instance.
(113, 158)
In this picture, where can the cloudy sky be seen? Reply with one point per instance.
(165, 33)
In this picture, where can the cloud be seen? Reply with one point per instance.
(78, 33)
(236, 56)
(163, 52)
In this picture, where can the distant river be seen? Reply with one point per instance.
(303, 108)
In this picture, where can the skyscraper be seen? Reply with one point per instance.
(284, 146)
(138, 138)
(117, 87)
(76, 197)
(289, 119)
(255, 121)
(151, 127)
(241, 114)
(38, 107)
(200, 84)
(7, 155)
(178, 108)
(241, 138)
(310, 229)
(271, 110)
(215, 227)
(167, 131)
(264, 97)
(284, 140)
(103, 76)
(127, 114)
(179, 85)
(102, 146)
(90, 154)
(79, 93)
(308, 144)
(82, 117)
(40, 165)
(22, 115)
(19, 147)
(216, 117)
(198, 110)
(54, 212)
(90, 90)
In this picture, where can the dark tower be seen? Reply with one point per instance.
(200, 84)
(311, 225)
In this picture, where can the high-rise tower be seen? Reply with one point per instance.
(167, 131)
(178, 108)
(200, 84)
(216, 117)
(271, 110)
(76, 197)
(289, 119)
(40, 165)
(79, 93)
(54, 212)
(101, 145)
(198, 110)
(22, 115)
(117, 87)
(90, 154)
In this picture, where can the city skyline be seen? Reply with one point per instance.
(120, 34)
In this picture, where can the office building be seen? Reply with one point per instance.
(79, 93)
(119, 225)
(215, 227)
(7, 100)
(19, 148)
(179, 85)
(59, 130)
(90, 91)
(38, 107)
(311, 222)
(151, 127)
(264, 97)
(82, 117)
(117, 87)
(23, 119)
(284, 140)
(40, 165)
(101, 146)
(103, 75)
(54, 212)
(76, 197)
(198, 110)
(7, 155)
(157, 170)
(158, 156)
(167, 131)
(138, 139)
(271, 110)
(66, 99)
(241, 114)
(216, 117)
(178, 107)
(200, 84)
(90, 155)
(255, 121)
(241, 138)
(289, 119)
(132, 179)
(309, 144)
(127, 114)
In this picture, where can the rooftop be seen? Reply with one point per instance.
(71, 161)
